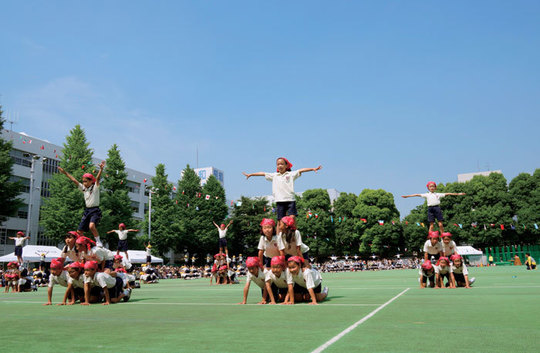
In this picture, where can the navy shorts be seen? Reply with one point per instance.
(18, 251)
(90, 215)
(287, 208)
(460, 279)
(118, 289)
(122, 245)
(148, 259)
(267, 261)
(431, 279)
(277, 291)
(434, 213)
(222, 242)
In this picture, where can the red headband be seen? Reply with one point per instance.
(74, 233)
(58, 263)
(85, 241)
(121, 225)
(91, 265)
(118, 257)
(289, 222)
(427, 265)
(289, 164)
(76, 265)
(455, 257)
(253, 261)
(446, 234)
(89, 176)
(429, 183)
(278, 260)
(442, 258)
(268, 222)
(434, 234)
(296, 259)
(20, 233)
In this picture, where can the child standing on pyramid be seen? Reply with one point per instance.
(92, 212)
(283, 186)
(433, 201)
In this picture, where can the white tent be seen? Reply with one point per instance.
(139, 257)
(32, 253)
(474, 256)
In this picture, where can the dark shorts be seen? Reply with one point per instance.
(434, 213)
(96, 291)
(277, 291)
(118, 289)
(222, 242)
(18, 251)
(123, 245)
(431, 279)
(148, 259)
(286, 209)
(267, 261)
(302, 290)
(90, 215)
(460, 279)
(109, 264)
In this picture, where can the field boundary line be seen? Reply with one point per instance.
(356, 324)
(188, 303)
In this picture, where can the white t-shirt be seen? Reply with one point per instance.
(460, 270)
(433, 198)
(290, 248)
(423, 272)
(449, 249)
(308, 278)
(283, 185)
(71, 253)
(102, 253)
(442, 270)
(62, 279)
(270, 247)
(101, 279)
(148, 251)
(432, 249)
(91, 195)
(222, 233)
(122, 234)
(280, 282)
(19, 241)
(259, 280)
(76, 283)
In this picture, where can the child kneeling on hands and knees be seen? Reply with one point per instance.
(304, 283)
(255, 275)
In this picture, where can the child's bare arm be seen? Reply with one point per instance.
(98, 177)
(62, 170)
(413, 195)
(253, 174)
(455, 194)
(303, 170)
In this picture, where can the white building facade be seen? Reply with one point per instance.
(206, 172)
(36, 160)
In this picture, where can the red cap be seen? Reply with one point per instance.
(74, 233)
(296, 259)
(442, 258)
(118, 257)
(434, 234)
(430, 183)
(85, 241)
(268, 222)
(278, 260)
(446, 234)
(222, 225)
(122, 225)
(89, 176)
(91, 265)
(455, 257)
(20, 233)
(75, 265)
(289, 164)
(289, 222)
(427, 265)
(253, 261)
(58, 263)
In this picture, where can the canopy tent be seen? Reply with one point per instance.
(139, 257)
(32, 253)
(474, 256)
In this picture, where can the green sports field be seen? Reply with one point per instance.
(499, 314)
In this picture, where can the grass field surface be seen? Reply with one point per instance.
(382, 311)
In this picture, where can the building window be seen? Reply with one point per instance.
(220, 178)
(19, 158)
(22, 212)
(43, 240)
(24, 181)
(45, 192)
(133, 187)
(50, 166)
(135, 206)
(202, 174)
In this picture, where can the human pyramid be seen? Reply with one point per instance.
(441, 260)
(95, 274)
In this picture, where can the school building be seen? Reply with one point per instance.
(36, 160)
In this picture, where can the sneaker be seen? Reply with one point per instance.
(471, 281)
(127, 294)
(99, 244)
(325, 291)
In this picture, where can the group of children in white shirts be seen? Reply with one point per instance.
(449, 264)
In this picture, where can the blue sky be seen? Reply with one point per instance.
(383, 94)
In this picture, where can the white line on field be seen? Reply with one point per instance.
(356, 324)
(188, 303)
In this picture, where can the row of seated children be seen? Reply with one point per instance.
(285, 281)
(17, 278)
(455, 273)
(223, 272)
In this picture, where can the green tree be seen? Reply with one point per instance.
(9, 190)
(115, 201)
(62, 211)
(165, 231)
(524, 192)
(376, 207)
(415, 229)
(245, 230)
(188, 212)
(345, 224)
(315, 224)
